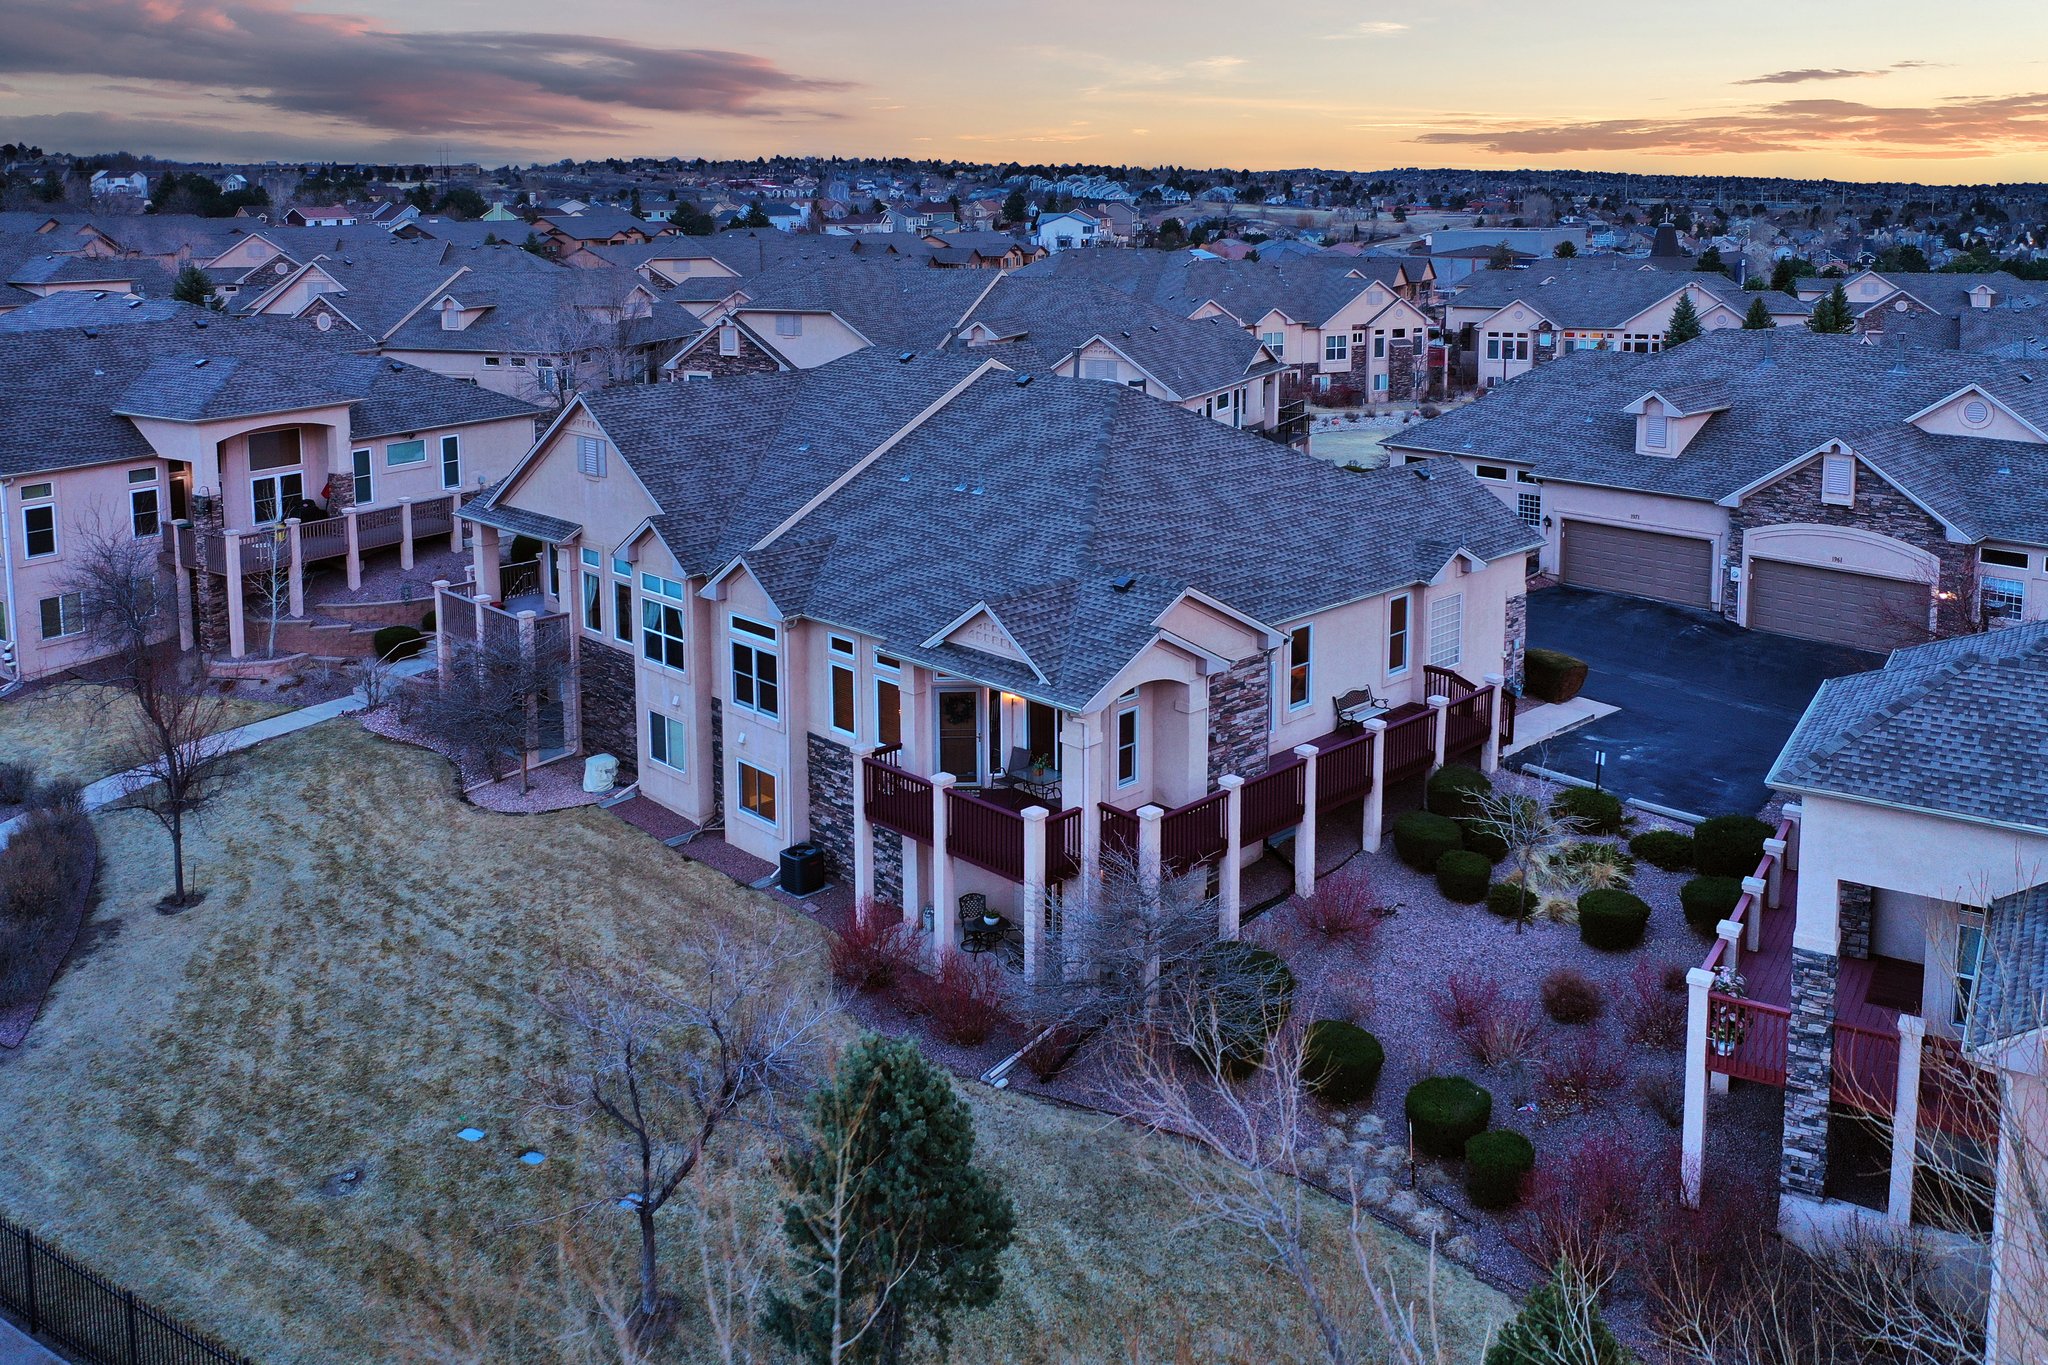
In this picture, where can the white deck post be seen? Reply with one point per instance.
(1794, 814)
(184, 586)
(1775, 888)
(529, 739)
(944, 911)
(1489, 760)
(455, 527)
(1305, 836)
(405, 533)
(295, 574)
(1906, 1119)
(1149, 872)
(444, 653)
(863, 834)
(238, 628)
(354, 560)
(1730, 934)
(1758, 891)
(1034, 886)
(913, 881)
(1693, 1134)
(1229, 877)
(1376, 794)
(1440, 722)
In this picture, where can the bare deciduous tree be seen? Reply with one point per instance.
(496, 701)
(1532, 831)
(1119, 940)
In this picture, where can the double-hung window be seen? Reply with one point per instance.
(622, 600)
(756, 668)
(1447, 630)
(145, 507)
(1336, 346)
(661, 620)
(593, 593)
(888, 701)
(1398, 609)
(1127, 740)
(1300, 649)
(62, 615)
(842, 683)
(451, 462)
(665, 743)
(360, 461)
(39, 520)
(1276, 342)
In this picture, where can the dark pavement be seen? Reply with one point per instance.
(1705, 705)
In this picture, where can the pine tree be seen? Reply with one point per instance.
(1559, 1324)
(1685, 323)
(1758, 318)
(191, 286)
(1015, 208)
(891, 1226)
(1831, 314)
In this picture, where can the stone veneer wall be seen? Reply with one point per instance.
(1404, 368)
(1853, 908)
(751, 359)
(1240, 717)
(833, 792)
(1809, 1074)
(717, 760)
(1515, 642)
(604, 681)
(209, 590)
(1878, 507)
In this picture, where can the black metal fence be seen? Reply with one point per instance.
(96, 1321)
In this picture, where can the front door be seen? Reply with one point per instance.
(960, 733)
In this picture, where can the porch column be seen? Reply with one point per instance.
(944, 911)
(295, 574)
(183, 584)
(1440, 723)
(1229, 877)
(1489, 759)
(1305, 836)
(913, 882)
(863, 834)
(1906, 1120)
(1774, 892)
(1758, 891)
(444, 653)
(1693, 1134)
(1034, 887)
(529, 735)
(1794, 814)
(1149, 871)
(455, 526)
(483, 558)
(238, 631)
(405, 533)
(1376, 792)
(354, 560)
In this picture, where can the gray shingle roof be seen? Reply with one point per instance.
(1595, 291)
(896, 303)
(1308, 289)
(1958, 727)
(536, 306)
(2012, 980)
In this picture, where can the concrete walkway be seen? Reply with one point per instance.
(19, 1348)
(1546, 720)
(110, 790)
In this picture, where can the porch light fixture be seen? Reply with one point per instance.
(1546, 523)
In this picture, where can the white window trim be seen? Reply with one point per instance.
(156, 511)
(1838, 479)
(1452, 605)
(770, 644)
(451, 444)
(839, 658)
(1131, 709)
(363, 476)
(1307, 666)
(671, 747)
(1406, 635)
(56, 538)
(739, 788)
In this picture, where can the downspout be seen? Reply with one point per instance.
(10, 676)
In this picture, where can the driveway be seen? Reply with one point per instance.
(1705, 706)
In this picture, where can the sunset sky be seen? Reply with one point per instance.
(1867, 90)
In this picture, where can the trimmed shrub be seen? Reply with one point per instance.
(1253, 992)
(1552, 675)
(1709, 900)
(1340, 1061)
(1511, 900)
(1422, 839)
(1668, 849)
(1454, 790)
(1496, 1164)
(1612, 920)
(397, 642)
(427, 622)
(1729, 845)
(1446, 1112)
(1572, 997)
(875, 950)
(1598, 812)
(1461, 875)
(1481, 837)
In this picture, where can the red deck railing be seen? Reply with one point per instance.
(897, 800)
(1866, 1069)
(1193, 834)
(1119, 834)
(1468, 721)
(985, 834)
(1411, 745)
(1063, 845)
(1753, 1034)
(1344, 771)
(1273, 800)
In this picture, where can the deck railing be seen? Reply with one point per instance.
(1866, 1069)
(985, 834)
(378, 527)
(1193, 834)
(1344, 771)
(1063, 845)
(433, 516)
(1411, 746)
(1746, 1038)
(897, 800)
(1273, 800)
(1468, 722)
(1119, 834)
(326, 538)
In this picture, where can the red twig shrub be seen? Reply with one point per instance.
(875, 950)
(1578, 1076)
(1571, 997)
(1343, 909)
(1496, 1030)
(1653, 1013)
(1465, 998)
(1712, 1251)
(1049, 1054)
(965, 1000)
(1586, 1206)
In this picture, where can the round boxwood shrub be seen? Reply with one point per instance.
(1552, 675)
(1445, 1112)
(1612, 920)
(1461, 875)
(1340, 1061)
(427, 622)
(1599, 812)
(1669, 849)
(1709, 900)
(1454, 790)
(1482, 837)
(1511, 900)
(1253, 991)
(397, 642)
(1729, 845)
(1496, 1163)
(1422, 838)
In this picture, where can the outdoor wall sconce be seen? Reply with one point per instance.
(1546, 523)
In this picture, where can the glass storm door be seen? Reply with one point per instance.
(960, 733)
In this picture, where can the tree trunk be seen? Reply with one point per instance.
(177, 859)
(649, 1288)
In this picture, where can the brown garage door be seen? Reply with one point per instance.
(1640, 563)
(1829, 604)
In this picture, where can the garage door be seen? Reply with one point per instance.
(1828, 604)
(1640, 563)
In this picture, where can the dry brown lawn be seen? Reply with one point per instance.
(361, 982)
(77, 732)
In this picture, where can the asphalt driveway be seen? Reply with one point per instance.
(1705, 706)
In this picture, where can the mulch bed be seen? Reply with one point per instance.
(16, 1020)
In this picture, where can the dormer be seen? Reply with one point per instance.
(454, 317)
(1667, 422)
(1983, 296)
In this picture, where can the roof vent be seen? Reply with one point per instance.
(397, 368)
(2026, 377)
(1023, 381)
(135, 303)
(99, 293)
(90, 331)
(200, 363)
(199, 322)
(1123, 583)
(1422, 472)
(906, 357)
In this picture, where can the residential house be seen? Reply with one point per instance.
(1809, 485)
(165, 423)
(1068, 230)
(320, 215)
(1893, 960)
(852, 605)
(567, 234)
(1968, 312)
